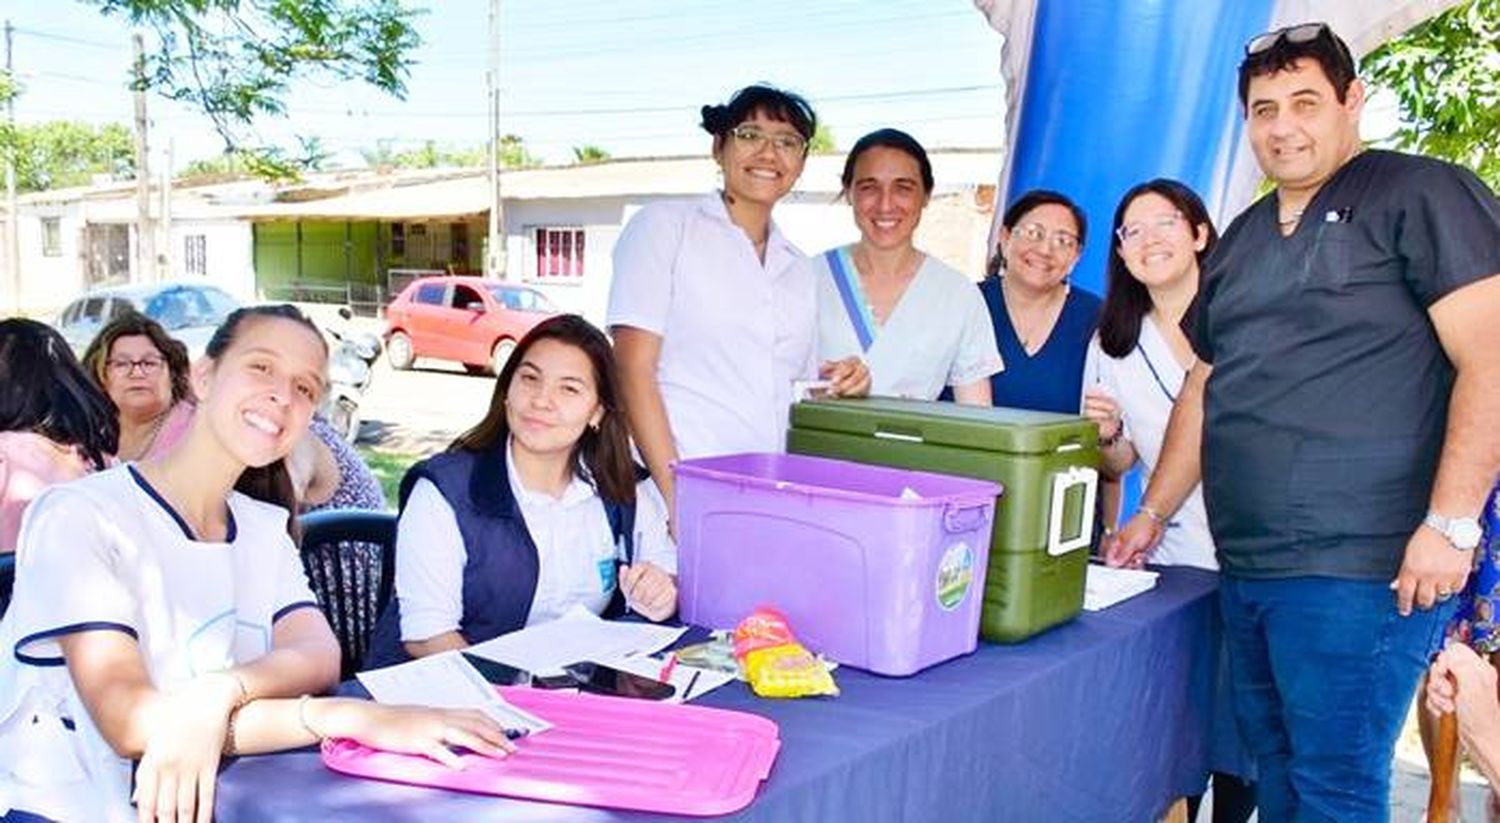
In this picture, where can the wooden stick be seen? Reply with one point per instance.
(1440, 795)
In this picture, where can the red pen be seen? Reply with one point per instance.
(665, 675)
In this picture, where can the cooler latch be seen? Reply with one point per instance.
(1063, 486)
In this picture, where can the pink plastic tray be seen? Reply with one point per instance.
(602, 751)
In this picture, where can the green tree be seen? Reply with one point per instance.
(823, 141)
(1445, 74)
(513, 153)
(234, 60)
(61, 153)
(589, 154)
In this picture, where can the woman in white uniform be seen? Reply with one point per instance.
(1135, 367)
(713, 315)
(919, 324)
(535, 511)
(161, 614)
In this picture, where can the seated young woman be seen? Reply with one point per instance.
(161, 614)
(534, 511)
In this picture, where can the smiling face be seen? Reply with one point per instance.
(552, 398)
(1156, 241)
(259, 394)
(888, 196)
(1042, 247)
(1300, 132)
(755, 169)
(136, 377)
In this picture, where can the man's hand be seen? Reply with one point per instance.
(1132, 544)
(1431, 571)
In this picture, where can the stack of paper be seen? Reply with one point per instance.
(576, 636)
(1106, 586)
(446, 681)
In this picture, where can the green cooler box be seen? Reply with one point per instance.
(1044, 519)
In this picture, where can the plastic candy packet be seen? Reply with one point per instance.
(716, 654)
(774, 662)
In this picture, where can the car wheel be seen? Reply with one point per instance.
(500, 354)
(398, 351)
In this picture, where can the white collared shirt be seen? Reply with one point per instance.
(735, 332)
(576, 552)
(1145, 383)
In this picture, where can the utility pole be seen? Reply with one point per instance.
(145, 231)
(12, 216)
(495, 256)
(167, 244)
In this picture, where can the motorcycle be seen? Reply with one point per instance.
(350, 359)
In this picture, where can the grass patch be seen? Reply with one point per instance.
(389, 468)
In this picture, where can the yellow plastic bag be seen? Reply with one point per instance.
(774, 662)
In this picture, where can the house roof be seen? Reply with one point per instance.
(465, 192)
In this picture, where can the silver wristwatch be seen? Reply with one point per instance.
(1462, 533)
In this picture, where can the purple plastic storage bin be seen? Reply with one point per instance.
(878, 568)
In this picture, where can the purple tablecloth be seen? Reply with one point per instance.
(1107, 718)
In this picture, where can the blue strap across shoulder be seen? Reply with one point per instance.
(847, 282)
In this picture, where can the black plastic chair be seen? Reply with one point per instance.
(7, 579)
(350, 558)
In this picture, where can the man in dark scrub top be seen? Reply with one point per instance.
(1344, 417)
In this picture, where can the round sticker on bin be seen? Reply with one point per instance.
(954, 576)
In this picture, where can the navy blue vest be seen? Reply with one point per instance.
(501, 570)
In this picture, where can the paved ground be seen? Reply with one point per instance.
(419, 411)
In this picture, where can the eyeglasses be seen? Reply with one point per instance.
(1132, 233)
(1301, 33)
(148, 366)
(753, 139)
(1063, 241)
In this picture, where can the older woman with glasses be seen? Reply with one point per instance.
(713, 313)
(1042, 324)
(146, 375)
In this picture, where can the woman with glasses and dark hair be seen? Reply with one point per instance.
(535, 511)
(145, 373)
(919, 324)
(1136, 366)
(55, 425)
(712, 312)
(1042, 324)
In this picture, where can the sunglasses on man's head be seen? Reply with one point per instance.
(1301, 33)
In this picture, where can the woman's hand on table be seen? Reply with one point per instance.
(849, 377)
(410, 729)
(649, 590)
(1132, 544)
(180, 762)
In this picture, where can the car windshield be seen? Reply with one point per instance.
(184, 307)
(522, 300)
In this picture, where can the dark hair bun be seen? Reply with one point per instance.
(713, 119)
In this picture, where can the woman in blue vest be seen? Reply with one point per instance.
(533, 512)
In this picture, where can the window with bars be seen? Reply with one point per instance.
(559, 253)
(195, 254)
(52, 236)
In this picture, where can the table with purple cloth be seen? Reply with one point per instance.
(1107, 718)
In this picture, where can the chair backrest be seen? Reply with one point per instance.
(350, 558)
(7, 579)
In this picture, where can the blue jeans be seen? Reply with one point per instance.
(1323, 672)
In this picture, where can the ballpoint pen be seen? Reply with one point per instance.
(665, 675)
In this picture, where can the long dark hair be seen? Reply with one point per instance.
(601, 455)
(272, 482)
(1126, 299)
(44, 389)
(774, 103)
(133, 323)
(1023, 206)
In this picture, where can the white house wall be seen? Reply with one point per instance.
(49, 282)
(229, 254)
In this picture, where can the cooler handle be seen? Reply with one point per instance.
(1062, 483)
(908, 436)
(959, 519)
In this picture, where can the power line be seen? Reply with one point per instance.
(68, 38)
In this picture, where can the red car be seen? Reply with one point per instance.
(476, 322)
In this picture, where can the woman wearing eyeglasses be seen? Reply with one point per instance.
(712, 312)
(1042, 324)
(1135, 369)
(145, 373)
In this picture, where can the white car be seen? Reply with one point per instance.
(189, 312)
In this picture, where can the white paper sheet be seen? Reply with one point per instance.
(576, 636)
(446, 681)
(1106, 586)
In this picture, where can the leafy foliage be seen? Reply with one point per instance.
(822, 141)
(1445, 74)
(61, 153)
(430, 155)
(589, 153)
(235, 59)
